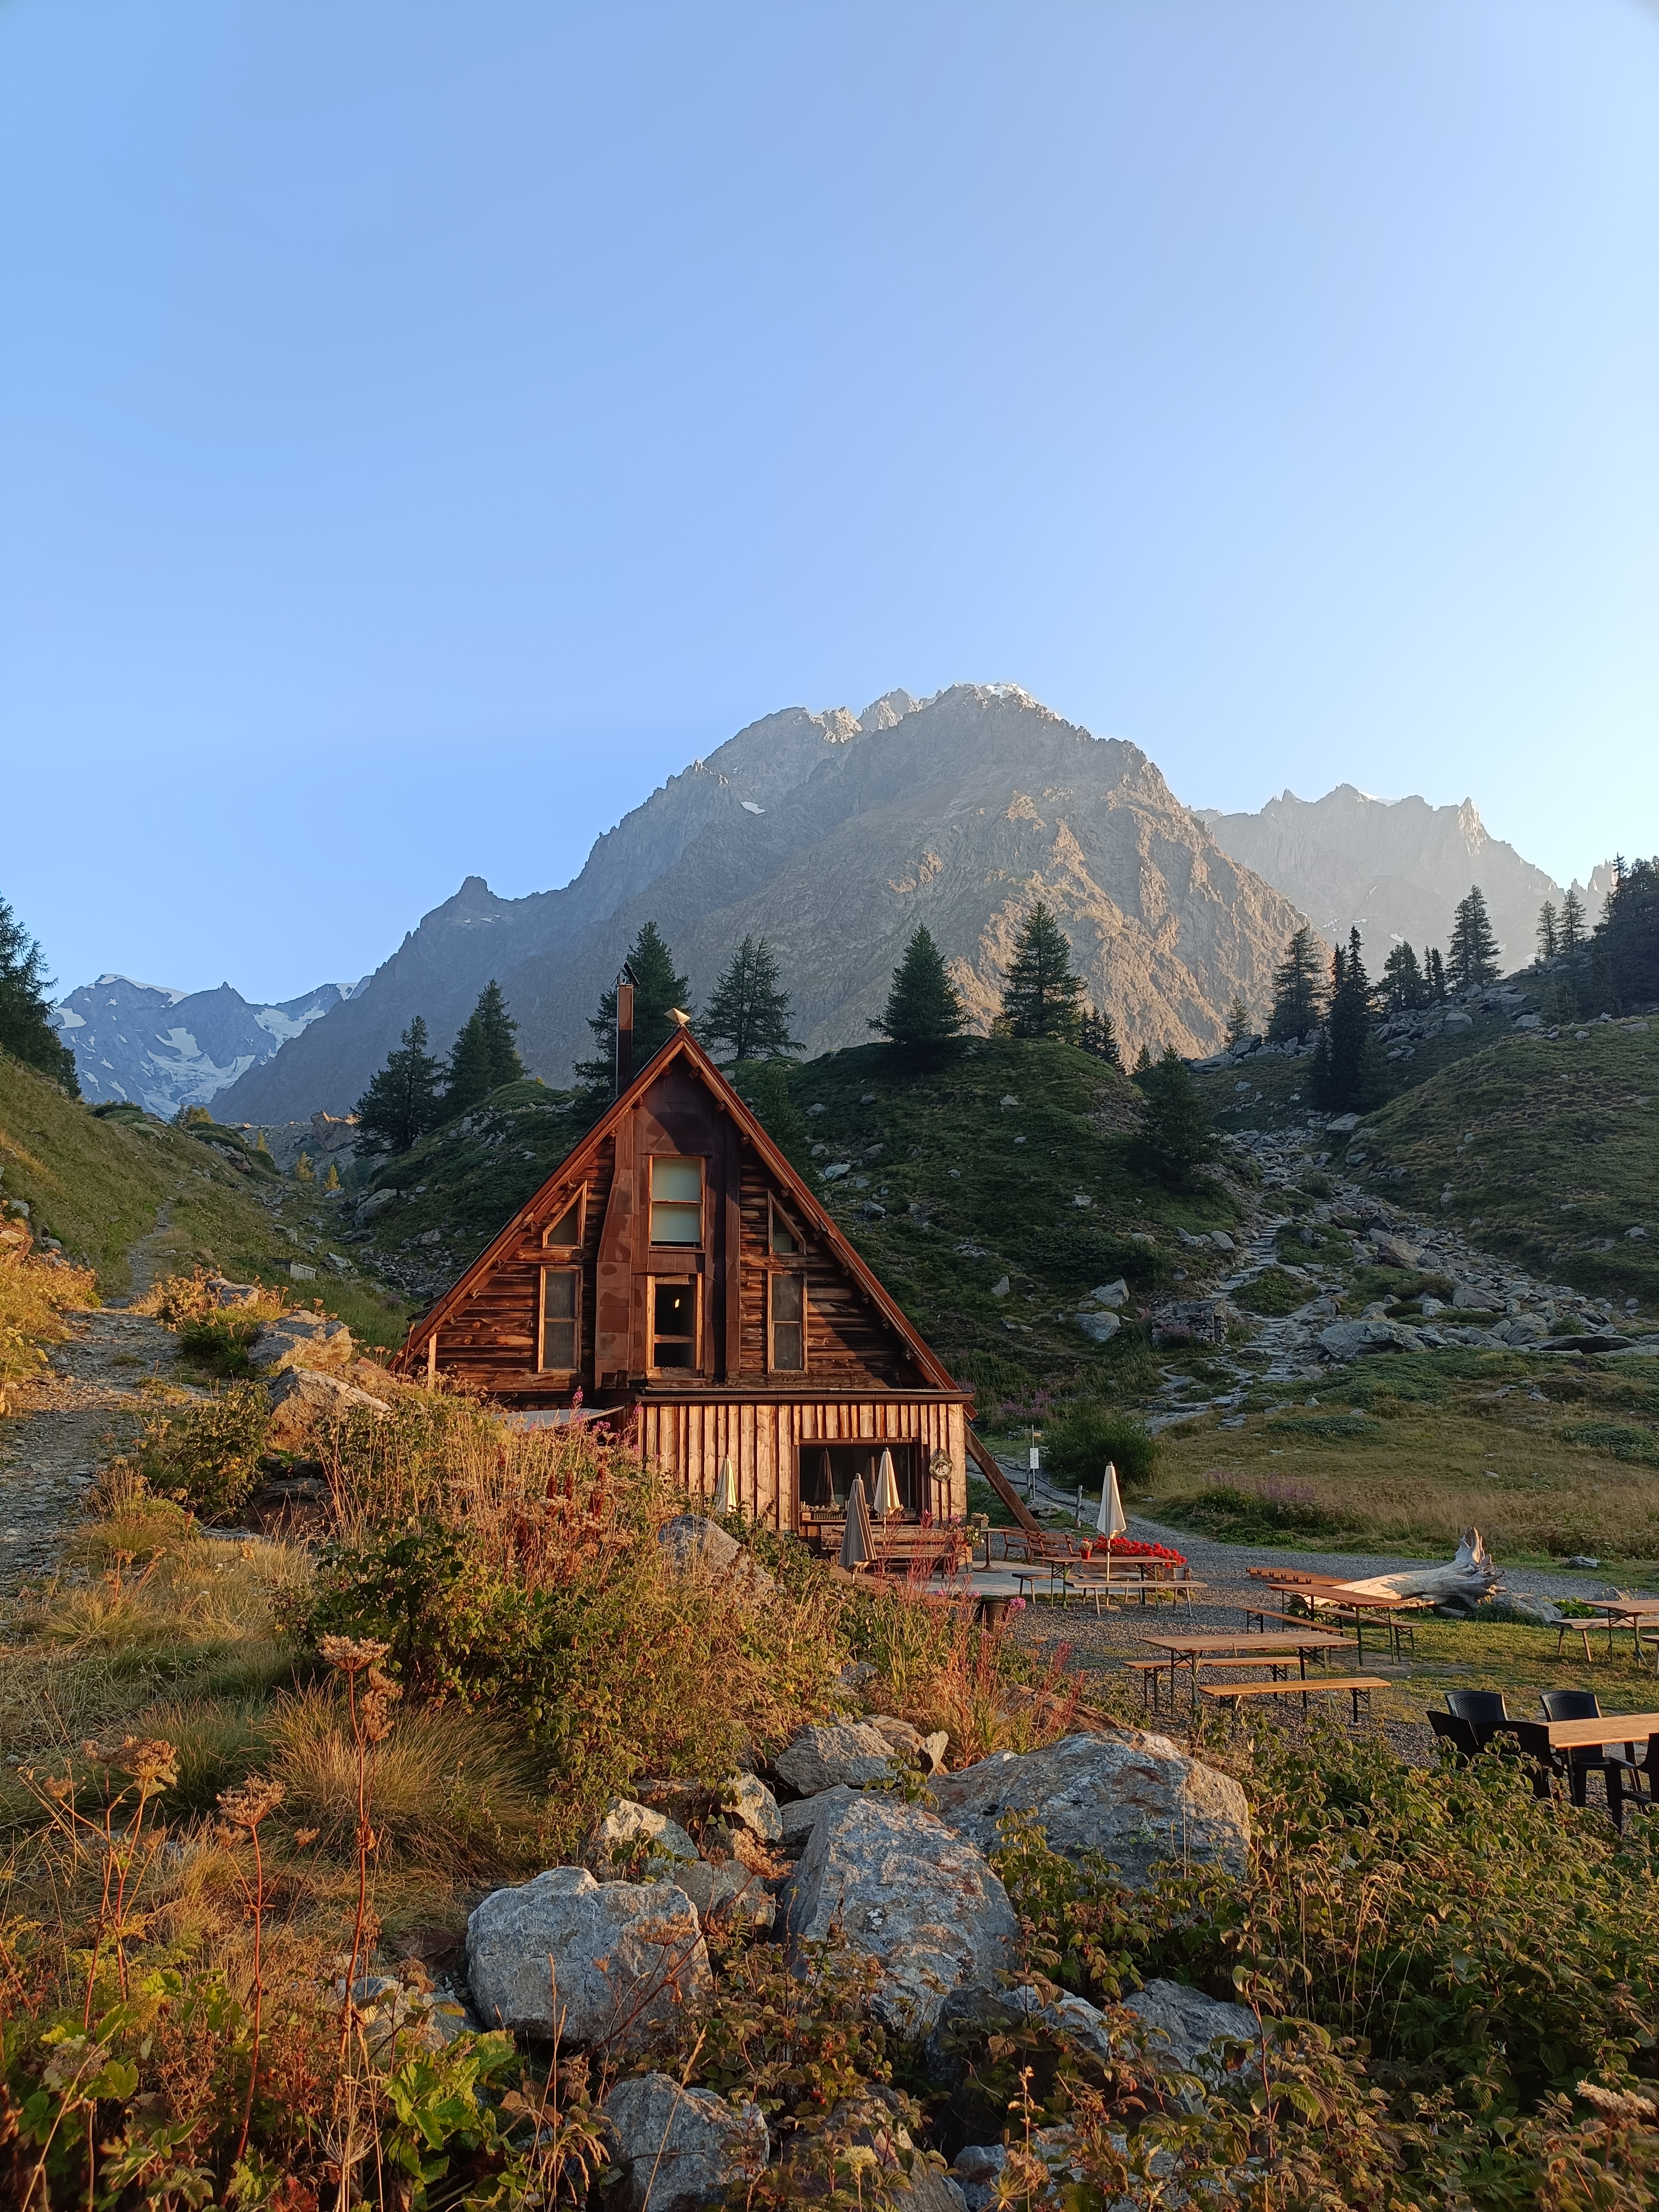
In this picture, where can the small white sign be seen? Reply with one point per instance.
(1037, 1457)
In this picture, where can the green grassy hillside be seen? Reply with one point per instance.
(1548, 1149)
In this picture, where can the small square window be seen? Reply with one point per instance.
(673, 1322)
(676, 1201)
(787, 1316)
(561, 1319)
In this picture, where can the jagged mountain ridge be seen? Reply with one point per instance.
(833, 835)
(1392, 869)
(163, 1048)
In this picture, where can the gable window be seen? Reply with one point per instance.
(561, 1320)
(786, 1347)
(783, 1238)
(568, 1228)
(674, 1321)
(676, 1201)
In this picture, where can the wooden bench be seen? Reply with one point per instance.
(941, 1551)
(1149, 1670)
(1357, 1685)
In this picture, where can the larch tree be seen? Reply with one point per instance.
(1472, 959)
(658, 989)
(401, 1103)
(484, 1055)
(748, 1010)
(924, 1011)
(1041, 996)
(1296, 997)
(27, 1030)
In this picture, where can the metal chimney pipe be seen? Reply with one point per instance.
(624, 1031)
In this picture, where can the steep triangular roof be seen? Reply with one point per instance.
(580, 1159)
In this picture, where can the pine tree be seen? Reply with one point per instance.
(924, 1012)
(657, 990)
(1098, 1036)
(1473, 959)
(484, 1054)
(1348, 1068)
(1177, 1135)
(26, 1024)
(1143, 1060)
(1403, 984)
(401, 1103)
(1434, 969)
(1549, 935)
(1238, 1023)
(1041, 997)
(1573, 935)
(1295, 989)
(1626, 941)
(747, 1011)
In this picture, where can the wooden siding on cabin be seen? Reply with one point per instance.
(687, 1438)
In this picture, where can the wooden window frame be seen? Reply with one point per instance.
(652, 1201)
(693, 1278)
(776, 1217)
(566, 1267)
(579, 1201)
(774, 1275)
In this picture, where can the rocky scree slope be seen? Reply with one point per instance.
(833, 837)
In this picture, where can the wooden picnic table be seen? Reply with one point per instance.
(1628, 1728)
(1190, 1650)
(1622, 1612)
(1357, 1602)
(1090, 1578)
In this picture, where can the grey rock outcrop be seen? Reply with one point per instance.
(802, 1814)
(680, 2148)
(303, 1397)
(625, 1956)
(1134, 1797)
(728, 1891)
(824, 1754)
(746, 1799)
(1101, 1327)
(696, 1543)
(631, 1837)
(908, 1893)
(300, 1340)
(1183, 2027)
(1354, 1340)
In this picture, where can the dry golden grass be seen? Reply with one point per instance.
(34, 1296)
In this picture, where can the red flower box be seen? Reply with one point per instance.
(1130, 1547)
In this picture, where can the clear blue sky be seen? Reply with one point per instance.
(423, 428)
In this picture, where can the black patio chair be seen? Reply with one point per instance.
(1477, 1704)
(1584, 1759)
(1458, 1733)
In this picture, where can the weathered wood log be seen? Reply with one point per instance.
(1469, 1576)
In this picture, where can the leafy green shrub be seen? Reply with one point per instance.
(1253, 1513)
(1080, 1258)
(206, 1455)
(992, 1376)
(1079, 1442)
(1273, 1292)
(1625, 1442)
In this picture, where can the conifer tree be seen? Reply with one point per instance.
(303, 1170)
(766, 1090)
(260, 1146)
(401, 1103)
(658, 989)
(1096, 1036)
(1042, 998)
(1238, 1023)
(1295, 989)
(1473, 956)
(747, 1011)
(1403, 984)
(1626, 941)
(26, 1024)
(1572, 933)
(1177, 1135)
(1348, 1068)
(1143, 1060)
(1434, 969)
(331, 1179)
(924, 1011)
(1548, 932)
(484, 1054)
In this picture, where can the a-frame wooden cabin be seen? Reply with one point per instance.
(676, 1270)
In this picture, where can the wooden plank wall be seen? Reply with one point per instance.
(688, 1438)
(848, 1343)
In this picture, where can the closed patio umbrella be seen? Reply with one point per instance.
(887, 1497)
(1111, 1520)
(824, 1490)
(725, 1489)
(856, 1550)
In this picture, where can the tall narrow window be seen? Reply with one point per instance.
(673, 1322)
(561, 1320)
(676, 1201)
(788, 1295)
(783, 1236)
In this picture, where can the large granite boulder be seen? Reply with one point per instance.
(851, 1751)
(745, 1799)
(728, 1891)
(631, 1839)
(696, 1544)
(802, 1814)
(302, 1399)
(1353, 1339)
(1185, 2030)
(909, 1894)
(1134, 1797)
(602, 1962)
(683, 2148)
(300, 1340)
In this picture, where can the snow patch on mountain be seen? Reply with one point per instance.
(163, 1049)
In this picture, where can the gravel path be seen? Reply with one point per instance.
(72, 1419)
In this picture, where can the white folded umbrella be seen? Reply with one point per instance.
(725, 1489)
(887, 1497)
